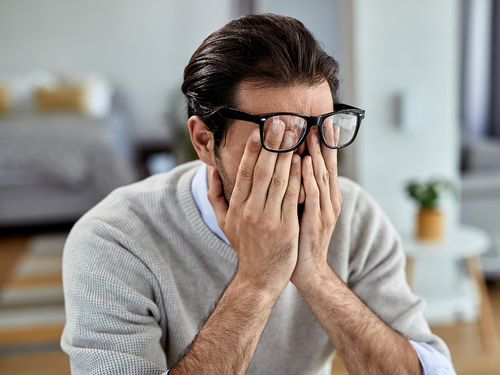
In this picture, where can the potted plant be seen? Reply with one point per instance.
(429, 217)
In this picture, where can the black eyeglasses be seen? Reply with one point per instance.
(337, 129)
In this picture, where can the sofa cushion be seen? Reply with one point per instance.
(477, 185)
(481, 153)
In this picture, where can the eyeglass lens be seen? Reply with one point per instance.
(282, 132)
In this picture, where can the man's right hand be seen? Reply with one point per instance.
(261, 220)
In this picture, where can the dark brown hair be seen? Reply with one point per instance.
(268, 48)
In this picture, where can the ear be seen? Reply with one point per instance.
(202, 140)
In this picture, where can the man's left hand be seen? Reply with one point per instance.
(321, 208)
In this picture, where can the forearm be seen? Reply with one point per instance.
(227, 341)
(365, 343)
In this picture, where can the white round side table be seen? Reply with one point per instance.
(465, 243)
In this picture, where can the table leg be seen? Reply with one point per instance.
(486, 322)
(410, 272)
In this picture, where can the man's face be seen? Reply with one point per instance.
(308, 100)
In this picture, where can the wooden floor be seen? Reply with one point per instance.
(37, 352)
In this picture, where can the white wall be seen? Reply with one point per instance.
(330, 22)
(319, 16)
(402, 45)
(142, 46)
(386, 47)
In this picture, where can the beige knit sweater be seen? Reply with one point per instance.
(142, 272)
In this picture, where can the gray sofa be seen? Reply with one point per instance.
(480, 197)
(55, 167)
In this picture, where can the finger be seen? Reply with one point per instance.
(264, 168)
(319, 169)
(244, 178)
(337, 139)
(279, 181)
(331, 132)
(216, 197)
(291, 199)
(311, 189)
(302, 194)
(336, 132)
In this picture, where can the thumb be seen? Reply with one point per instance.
(216, 197)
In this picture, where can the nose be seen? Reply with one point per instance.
(302, 149)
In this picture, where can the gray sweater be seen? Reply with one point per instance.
(142, 272)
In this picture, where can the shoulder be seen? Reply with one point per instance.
(358, 202)
(156, 183)
(133, 214)
(371, 232)
(348, 188)
(141, 197)
(374, 242)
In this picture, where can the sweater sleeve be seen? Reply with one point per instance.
(112, 319)
(377, 274)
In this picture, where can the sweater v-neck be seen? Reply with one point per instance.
(190, 209)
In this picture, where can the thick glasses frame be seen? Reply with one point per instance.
(236, 114)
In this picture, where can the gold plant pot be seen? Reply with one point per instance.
(430, 224)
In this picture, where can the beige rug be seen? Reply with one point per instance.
(33, 294)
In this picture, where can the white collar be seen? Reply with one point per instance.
(199, 189)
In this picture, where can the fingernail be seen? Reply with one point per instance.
(295, 159)
(316, 138)
(310, 160)
(276, 127)
(287, 139)
(255, 136)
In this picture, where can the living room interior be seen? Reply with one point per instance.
(90, 101)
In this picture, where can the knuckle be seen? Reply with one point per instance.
(291, 193)
(332, 170)
(325, 178)
(277, 182)
(261, 174)
(245, 172)
(328, 220)
(232, 210)
(249, 215)
(234, 207)
(313, 192)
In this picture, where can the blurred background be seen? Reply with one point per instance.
(90, 100)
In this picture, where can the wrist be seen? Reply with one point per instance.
(268, 292)
(315, 280)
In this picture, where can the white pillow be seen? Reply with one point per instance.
(98, 91)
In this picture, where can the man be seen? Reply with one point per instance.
(248, 260)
